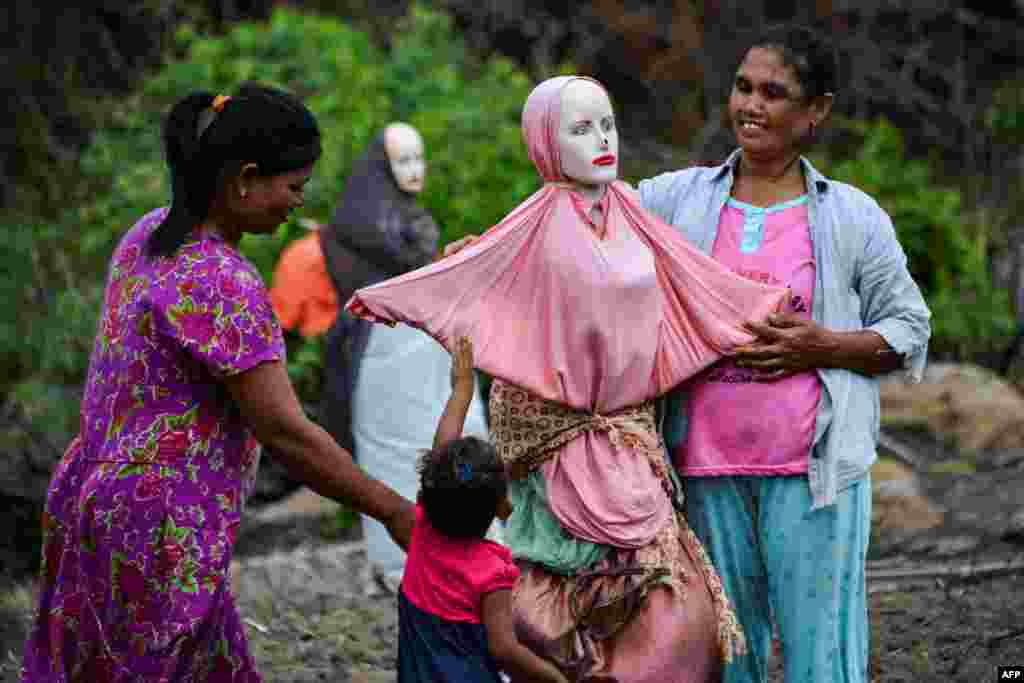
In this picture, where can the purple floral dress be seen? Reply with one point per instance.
(143, 510)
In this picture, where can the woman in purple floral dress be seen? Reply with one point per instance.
(186, 376)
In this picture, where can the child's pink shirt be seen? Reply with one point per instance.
(739, 426)
(449, 578)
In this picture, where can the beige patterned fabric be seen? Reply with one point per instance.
(595, 604)
(528, 430)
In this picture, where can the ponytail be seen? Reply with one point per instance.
(189, 198)
(205, 137)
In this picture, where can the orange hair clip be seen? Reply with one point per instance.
(219, 101)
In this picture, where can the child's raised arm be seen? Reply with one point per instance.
(511, 656)
(463, 386)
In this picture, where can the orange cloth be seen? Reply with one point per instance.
(301, 292)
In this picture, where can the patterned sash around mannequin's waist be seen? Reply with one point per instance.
(528, 430)
(593, 604)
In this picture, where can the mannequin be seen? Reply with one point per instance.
(620, 310)
(386, 386)
(404, 147)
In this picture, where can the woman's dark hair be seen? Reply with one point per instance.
(260, 125)
(461, 485)
(813, 59)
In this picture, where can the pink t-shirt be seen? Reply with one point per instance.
(448, 578)
(739, 426)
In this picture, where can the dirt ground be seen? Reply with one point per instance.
(950, 630)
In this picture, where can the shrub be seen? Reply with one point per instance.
(945, 253)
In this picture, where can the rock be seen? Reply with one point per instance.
(899, 503)
(308, 577)
(1007, 458)
(372, 677)
(235, 576)
(302, 502)
(944, 546)
(1015, 527)
(272, 481)
(986, 505)
(968, 404)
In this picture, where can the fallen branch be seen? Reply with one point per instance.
(899, 451)
(1009, 635)
(894, 579)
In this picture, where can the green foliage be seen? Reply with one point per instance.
(468, 112)
(945, 253)
(478, 167)
(1005, 118)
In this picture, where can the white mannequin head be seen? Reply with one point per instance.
(404, 148)
(588, 141)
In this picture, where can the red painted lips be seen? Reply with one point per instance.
(606, 160)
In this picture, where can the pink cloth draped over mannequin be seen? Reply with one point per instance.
(574, 318)
(597, 324)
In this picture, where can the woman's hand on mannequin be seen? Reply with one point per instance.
(458, 245)
(787, 344)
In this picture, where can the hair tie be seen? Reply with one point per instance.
(464, 471)
(219, 101)
(207, 116)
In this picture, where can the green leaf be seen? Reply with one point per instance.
(132, 470)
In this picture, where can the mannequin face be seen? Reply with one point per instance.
(404, 148)
(588, 141)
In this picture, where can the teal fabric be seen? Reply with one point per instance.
(781, 560)
(532, 533)
(753, 220)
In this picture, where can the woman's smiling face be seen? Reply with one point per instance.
(270, 199)
(769, 110)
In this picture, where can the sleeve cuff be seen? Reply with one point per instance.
(902, 341)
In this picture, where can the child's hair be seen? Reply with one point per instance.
(462, 483)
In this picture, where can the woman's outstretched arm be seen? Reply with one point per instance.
(268, 402)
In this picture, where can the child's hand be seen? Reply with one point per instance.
(463, 378)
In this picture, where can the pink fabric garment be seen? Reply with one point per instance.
(595, 324)
(449, 578)
(671, 639)
(739, 426)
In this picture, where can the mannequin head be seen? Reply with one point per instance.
(588, 140)
(404, 148)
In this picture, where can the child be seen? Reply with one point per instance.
(455, 603)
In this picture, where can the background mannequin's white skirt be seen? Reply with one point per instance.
(403, 384)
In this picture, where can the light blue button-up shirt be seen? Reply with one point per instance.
(861, 282)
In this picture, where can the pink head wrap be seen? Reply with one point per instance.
(541, 115)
